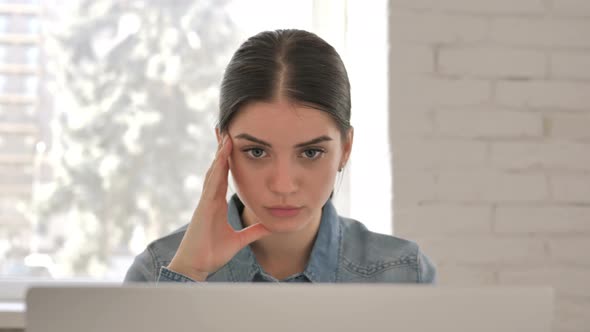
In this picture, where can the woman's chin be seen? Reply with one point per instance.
(283, 225)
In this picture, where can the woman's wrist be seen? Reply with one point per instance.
(188, 272)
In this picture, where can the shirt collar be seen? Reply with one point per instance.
(323, 262)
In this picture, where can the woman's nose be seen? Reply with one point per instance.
(283, 179)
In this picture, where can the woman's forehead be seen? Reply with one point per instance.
(280, 119)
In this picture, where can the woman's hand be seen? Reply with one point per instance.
(209, 241)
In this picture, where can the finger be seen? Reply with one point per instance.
(252, 233)
(216, 182)
(220, 145)
(215, 158)
(208, 174)
(225, 148)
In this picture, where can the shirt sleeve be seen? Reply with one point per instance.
(143, 268)
(167, 275)
(426, 269)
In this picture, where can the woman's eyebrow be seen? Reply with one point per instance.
(251, 138)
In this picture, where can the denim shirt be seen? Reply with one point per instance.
(344, 251)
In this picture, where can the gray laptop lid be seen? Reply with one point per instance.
(287, 307)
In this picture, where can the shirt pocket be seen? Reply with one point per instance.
(400, 268)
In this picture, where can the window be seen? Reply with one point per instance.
(96, 95)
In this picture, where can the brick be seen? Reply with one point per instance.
(475, 6)
(570, 65)
(570, 126)
(410, 121)
(483, 251)
(434, 28)
(554, 155)
(567, 281)
(426, 220)
(492, 62)
(572, 7)
(436, 154)
(570, 188)
(572, 313)
(570, 95)
(540, 32)
(488, 124)
(428, 91)
(570, 250)
(410, 187)
(491, 186)
(411, 59)
(542, 219)
(453, 275)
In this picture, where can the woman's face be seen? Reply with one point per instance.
(284, 162)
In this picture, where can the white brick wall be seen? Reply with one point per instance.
(485, 250)
(541, 31)
(572, 281)
(571, 188)
(561, 250)
(461, 276)
(571, 7)
(570, 65)
(562, 155)
(544, 94)
(570, 126)
(493, 123)
(495, 186)
(491, 62)
(572, 312)
(543, 219)
(441, 91)
(475, 6)
(444, 219)
(417, 187)
(431, 29)
(420, 59)
(429, 154)
(490, 136)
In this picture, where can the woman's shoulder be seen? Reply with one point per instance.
(158, 253)
(370, 255)
(165, 247)
(360, 244)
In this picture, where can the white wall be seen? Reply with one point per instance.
(490, 135)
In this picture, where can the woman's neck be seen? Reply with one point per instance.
(284, 254)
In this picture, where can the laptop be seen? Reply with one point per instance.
(288, 307)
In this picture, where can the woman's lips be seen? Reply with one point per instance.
(284, 211)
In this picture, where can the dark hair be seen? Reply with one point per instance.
(295, 64)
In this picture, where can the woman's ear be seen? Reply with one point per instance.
(347, 147)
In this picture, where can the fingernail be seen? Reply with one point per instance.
(223, 140)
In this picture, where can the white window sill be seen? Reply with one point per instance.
(12, 315)
(12, 302)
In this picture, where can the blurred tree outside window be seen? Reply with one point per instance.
(132, 128)
(121, 98)
(107, 114)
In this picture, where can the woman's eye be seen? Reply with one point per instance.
(255, 153)
(312, 153)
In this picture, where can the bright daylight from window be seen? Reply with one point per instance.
(107, 110)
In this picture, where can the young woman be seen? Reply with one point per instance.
(284, 132)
